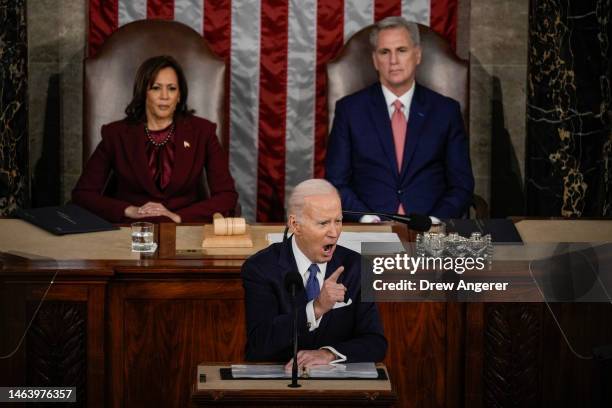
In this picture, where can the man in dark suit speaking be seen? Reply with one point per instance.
(397, 146)
(334, 325)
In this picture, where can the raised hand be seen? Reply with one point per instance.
(331, 292)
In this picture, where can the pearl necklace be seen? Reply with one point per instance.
(163, 142)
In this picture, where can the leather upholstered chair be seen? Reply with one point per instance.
(109, 76)
(440, 69)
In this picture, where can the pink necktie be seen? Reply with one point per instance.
(399, 125)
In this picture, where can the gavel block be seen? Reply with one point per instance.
(227, 233)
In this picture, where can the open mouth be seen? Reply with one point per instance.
(327, 249)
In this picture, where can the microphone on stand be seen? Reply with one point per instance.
(414, 221)
(293, 284)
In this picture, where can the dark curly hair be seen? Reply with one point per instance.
(146, 74)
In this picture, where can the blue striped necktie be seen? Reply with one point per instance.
(312, 284)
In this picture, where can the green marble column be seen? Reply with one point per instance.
(13, 106)
(569, 109)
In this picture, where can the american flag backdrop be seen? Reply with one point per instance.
(276, 51)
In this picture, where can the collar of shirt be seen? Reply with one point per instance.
(405, 99)
(303, 263)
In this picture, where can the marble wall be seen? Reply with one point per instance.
(56, 40)
(569, 114)
(498, 68)
(496, 47)
(13, 106)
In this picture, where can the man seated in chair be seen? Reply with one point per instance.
(397, 146)
(333, 324)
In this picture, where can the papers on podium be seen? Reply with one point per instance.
(351, 370)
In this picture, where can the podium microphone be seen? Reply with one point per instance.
(416, 222)
(293, 284)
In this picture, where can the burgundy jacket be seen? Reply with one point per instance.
(122, 150)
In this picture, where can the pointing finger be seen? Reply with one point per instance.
(334, 276)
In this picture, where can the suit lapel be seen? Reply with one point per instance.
(134, 142)
(332, 265)
(286, 260)
(416, 119)
(380, 116)
(184, 155)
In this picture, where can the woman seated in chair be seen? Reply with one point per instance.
(157, 156)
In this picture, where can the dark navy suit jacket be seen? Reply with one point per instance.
(353, 330)
(436, 176)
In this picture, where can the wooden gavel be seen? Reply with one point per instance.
(228, 226)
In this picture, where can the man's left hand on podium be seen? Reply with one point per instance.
(309, 358)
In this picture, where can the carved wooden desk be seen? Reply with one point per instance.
(130, 330)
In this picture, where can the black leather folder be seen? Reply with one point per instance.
(66, 219)
(502, 230)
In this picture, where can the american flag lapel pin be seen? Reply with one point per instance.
(186, 144)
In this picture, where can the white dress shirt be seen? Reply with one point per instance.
(405, 99)
(303, 263)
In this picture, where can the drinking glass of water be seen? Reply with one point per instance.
(142, 237)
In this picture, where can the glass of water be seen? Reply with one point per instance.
(142, 237)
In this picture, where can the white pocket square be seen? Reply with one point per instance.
(338, 305)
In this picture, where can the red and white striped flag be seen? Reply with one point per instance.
(276, 51)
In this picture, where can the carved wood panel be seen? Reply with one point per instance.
(512, 351)
(56, 347)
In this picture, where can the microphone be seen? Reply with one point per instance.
(414, 221)
(285, 236)
(293, 284)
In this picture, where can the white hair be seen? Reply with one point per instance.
(395, 22)
(308, 188)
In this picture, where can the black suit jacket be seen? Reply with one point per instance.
(354, 330)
